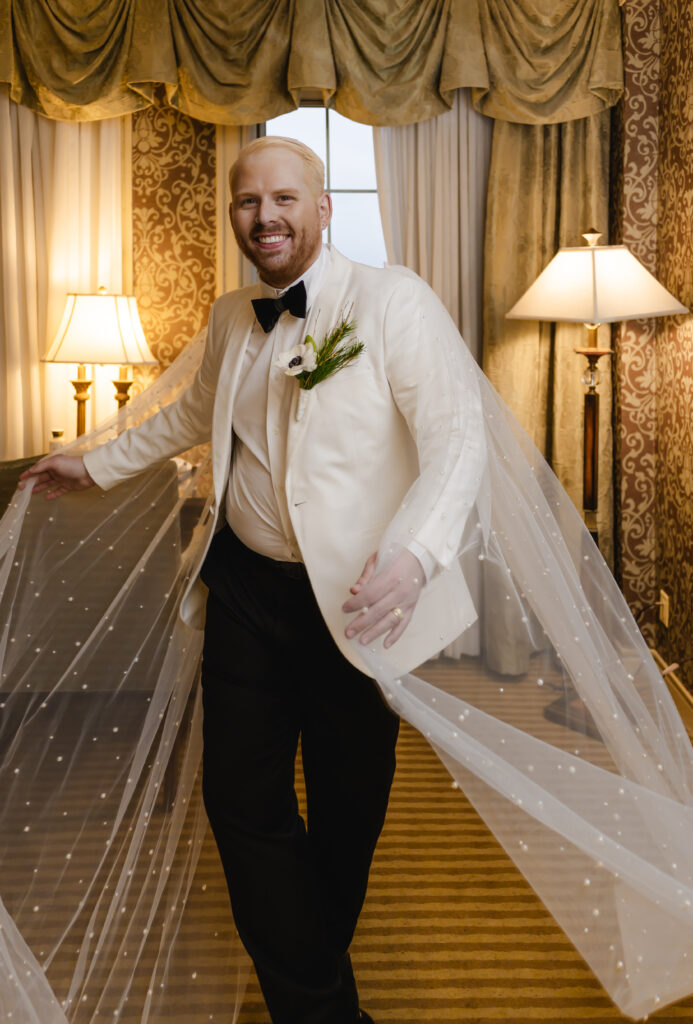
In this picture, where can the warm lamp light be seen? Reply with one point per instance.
(99, 328)
(594, 284)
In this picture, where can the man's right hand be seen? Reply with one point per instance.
(57, 474)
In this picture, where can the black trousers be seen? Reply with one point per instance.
(271, 673)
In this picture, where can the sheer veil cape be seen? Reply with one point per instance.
(547, 710)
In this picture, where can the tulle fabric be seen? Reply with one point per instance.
(547, 710)
(101, 819)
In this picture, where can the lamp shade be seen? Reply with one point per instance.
(595, 284)
(100, 328)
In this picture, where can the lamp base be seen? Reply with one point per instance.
(81, 397)
(122, 391)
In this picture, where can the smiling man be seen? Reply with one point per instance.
(307, 483)
(279, 210)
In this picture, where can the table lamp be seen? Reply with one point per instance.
(99, 328)
(594, 284)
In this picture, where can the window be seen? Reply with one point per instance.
(346, 148)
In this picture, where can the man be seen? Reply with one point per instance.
(307, 483)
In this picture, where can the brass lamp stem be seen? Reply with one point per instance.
(81, 396)
(122, 386)
(592, 331)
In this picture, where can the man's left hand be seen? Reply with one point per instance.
(386, 600)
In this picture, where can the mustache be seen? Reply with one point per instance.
(269, 229)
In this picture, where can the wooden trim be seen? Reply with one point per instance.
(683, 698)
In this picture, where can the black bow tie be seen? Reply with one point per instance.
(268, 311)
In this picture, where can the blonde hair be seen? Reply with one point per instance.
(313, 165)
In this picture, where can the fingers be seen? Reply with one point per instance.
(32, 471)
(51, 486)
(57, 474)
(357, 601)
(376, 602)
(41, 471)
(366, 574)
(394, 634)
(42, 479)
(385, 600)
(390, 623)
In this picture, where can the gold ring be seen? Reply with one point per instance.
(398, 613)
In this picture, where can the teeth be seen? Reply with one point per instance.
(267, 239)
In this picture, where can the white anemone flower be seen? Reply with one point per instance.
(300, 359)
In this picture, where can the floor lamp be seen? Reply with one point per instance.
(99, 328)
(594, 284)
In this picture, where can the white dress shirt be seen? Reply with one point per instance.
(256, 508)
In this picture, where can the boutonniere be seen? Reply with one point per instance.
(312, 363)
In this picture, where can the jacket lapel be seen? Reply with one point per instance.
(332, 301)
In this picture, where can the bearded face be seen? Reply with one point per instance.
(276, 218)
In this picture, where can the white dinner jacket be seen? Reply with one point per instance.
(351, 454)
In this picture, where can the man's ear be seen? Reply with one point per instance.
(325, 208)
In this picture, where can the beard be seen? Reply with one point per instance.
(282, 266)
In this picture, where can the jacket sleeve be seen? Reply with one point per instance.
(435, 384)
(181, 425)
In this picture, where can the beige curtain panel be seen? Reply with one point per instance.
(381, 62)
(547, 184)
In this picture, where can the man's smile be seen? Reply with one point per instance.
(273, 241)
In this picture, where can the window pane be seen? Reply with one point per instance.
(356, 228)
(352, 164)
(306, 124)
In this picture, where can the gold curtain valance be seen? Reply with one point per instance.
(384, 62)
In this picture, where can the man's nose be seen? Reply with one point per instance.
(266, 211)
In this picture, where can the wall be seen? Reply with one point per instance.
(652, 211)
(173, 228)
(634, 222)
(674, 498)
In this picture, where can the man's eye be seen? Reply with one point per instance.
(248, 202)
(285, 199)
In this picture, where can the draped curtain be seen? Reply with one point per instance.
(432, 179)
(375, 61)
(23, 253)
(548, 184)
(60, 231)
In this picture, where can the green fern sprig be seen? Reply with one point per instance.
(329, 357)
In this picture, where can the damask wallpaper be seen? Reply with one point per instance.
(674, 342)
(174, 228)
(652, 212)
(634, 222)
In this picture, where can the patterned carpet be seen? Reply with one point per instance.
(450, 931)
